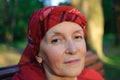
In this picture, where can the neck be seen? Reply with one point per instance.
(60, 78)
(57, 77)
(52, 76)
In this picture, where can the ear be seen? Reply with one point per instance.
(39, 59)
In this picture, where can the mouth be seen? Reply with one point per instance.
(72, 61)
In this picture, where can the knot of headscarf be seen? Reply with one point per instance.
(44, 19)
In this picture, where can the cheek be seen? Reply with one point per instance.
(82, 48)
(53, 55)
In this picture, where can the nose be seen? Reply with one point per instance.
(71, 47)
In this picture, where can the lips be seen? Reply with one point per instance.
(72, 61)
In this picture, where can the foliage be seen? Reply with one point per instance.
(14, 18)
(112, 68)
(65, 3)
(112, 72)
(108, 10)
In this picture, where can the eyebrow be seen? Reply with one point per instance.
(55, 32)
(81, 31)
(58, 33)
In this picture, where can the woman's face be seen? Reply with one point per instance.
(63, 50)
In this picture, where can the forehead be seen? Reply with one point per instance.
(65, 27)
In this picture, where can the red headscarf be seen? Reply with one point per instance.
(40, 22)
(44, 19)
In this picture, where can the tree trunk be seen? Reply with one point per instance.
(9, 20)
(13, 18)
(6, 23)
(92, 9)
(117, 20)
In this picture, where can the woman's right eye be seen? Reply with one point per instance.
(55, 41)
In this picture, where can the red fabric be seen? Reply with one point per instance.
(40, 22)
(90, 74)
(44, 19)
(34, 72)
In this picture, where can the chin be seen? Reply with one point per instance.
(73, 73)
(76, 72)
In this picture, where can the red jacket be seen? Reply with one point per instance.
(34, 72)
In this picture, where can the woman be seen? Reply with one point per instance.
(56, 46)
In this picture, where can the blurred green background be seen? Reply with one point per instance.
(14, 17)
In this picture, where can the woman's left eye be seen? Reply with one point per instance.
(78, 37)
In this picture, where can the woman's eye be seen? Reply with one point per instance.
(55, 41)
(78, 37)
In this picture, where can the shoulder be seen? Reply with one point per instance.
(90, 74)
(29, 72)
